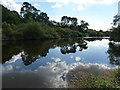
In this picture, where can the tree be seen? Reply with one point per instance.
(64, 21)
(73, 21)
(29, 12)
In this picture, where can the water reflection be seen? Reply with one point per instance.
(72, 48)
(27, 59)
(23, 61)
(33, 50)
(114, 53)
(53, 75)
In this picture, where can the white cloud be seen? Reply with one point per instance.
(56, 59)
(52, 75)
(72, 1)
(15, 58)
(77, 59)
(59, 1)
(7, 68)
(93, 24)
(58, 17)
(98, 43)
(94, 1)
(80, 3)
(44, 76)
(36, 5)
(31, 0)
(79, 8)
(71, 57)
(10, 4)
(57, 5)
(100, 25)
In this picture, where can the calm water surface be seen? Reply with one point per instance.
(45, 63)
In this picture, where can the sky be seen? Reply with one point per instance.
(98, 13)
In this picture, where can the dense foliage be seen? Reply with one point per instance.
(35, 30)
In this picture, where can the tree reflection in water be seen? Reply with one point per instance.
(27, 60)
(34, 50)
(114, 53)
(72, 48)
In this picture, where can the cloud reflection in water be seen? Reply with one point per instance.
(52, 75)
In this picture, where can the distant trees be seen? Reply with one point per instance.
(34, 24)
(68, 21)
(71, 22)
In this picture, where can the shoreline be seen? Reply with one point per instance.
(58, 38)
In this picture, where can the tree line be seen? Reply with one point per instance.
(37, 24)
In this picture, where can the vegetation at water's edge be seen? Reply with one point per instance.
(32, 23)
(35, 30)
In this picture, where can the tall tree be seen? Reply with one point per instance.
(42, 17)
(29, 12)
(68, 21)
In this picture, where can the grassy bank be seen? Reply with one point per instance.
(35, 30)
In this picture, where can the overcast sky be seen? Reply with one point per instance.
(98, 13)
